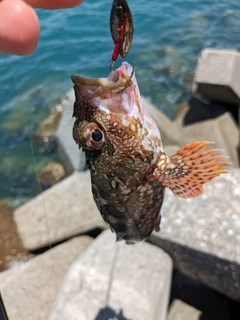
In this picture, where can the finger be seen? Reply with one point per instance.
(19, 27)
(54, 4)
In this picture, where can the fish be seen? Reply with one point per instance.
(124, 152)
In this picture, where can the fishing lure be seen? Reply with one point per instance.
(124, 152)
(121, 26)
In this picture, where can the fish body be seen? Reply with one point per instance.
(124, 152)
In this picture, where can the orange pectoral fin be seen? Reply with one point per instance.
(189, 168)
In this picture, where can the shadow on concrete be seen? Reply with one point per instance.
(197, 278)
(108, 313)
(204, 110)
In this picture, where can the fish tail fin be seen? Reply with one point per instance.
(189, 168)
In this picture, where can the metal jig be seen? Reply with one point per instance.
(121, 26)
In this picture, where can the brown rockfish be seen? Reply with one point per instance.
(124, 152)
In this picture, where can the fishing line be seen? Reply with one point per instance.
(111, 275)
(37, 296)
(31, 147)
(26, 124)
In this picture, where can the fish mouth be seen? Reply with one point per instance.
(117, 81)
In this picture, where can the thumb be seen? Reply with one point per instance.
(19, 28)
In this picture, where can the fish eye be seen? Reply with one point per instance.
(93, 136)
(89, 135)
(97, 135)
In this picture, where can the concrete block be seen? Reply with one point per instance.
(62, 211)
(180, 310)
(171, 149)
(71, 157)
(29, 291)
(217, 75)
(222, 131)
(116, 281)
(180, 112)
(202, 234)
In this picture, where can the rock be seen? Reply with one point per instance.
(202, 234)
(180, 310)
(52, 173)
(116, 281)
(29, 291)
(222, 131)
(46, 131)
(11, 247)
(217, 75)
(170, 50)
(13, 123)
(31, 101)
(170, 71)
(71, 157)
(199, 20)
(63, 211)
(188, 80)
(169, 132)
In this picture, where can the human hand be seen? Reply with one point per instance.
(19, 25)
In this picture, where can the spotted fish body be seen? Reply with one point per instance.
(124, 152)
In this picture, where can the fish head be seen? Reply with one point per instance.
(111, 122)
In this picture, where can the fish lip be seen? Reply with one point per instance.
(126, 68)
(124, 71)
(113, 76)
(100, 87)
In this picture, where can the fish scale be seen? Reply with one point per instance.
(129, 169)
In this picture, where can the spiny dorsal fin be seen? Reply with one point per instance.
(189, 168)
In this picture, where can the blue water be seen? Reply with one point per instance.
(167, 40)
